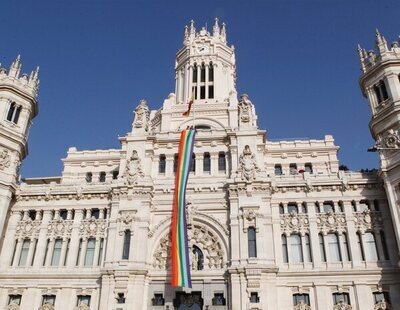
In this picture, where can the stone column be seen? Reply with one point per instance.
(199, 164)
(327, 252)
(42, 240)
(393, 88)
(364, 245)
(379, 246)
(303, 246)
(169, 165)
(83, 252)
(63, 252)
(314, 237)
(75, 239)
(352, 238)
(96, 252)
(50, 252)
(31, 251)
(342, 248)
(214, 163)
(18, 249)
(9, 240)
(289, 248)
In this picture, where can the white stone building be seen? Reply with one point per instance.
(272, 225)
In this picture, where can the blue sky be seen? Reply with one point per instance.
(297, 60)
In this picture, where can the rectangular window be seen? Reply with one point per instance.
(55, 260)
(254, 297)
(24, 252)
(341, 297)
(83, 300)
(301, 298)
(202, 92)
(11, 111)
(158, 299)
(293, 169)
(381, 296)
(211, 91)
(194, 79)
(193, 165)
(308, 168)
(328, 206)
(102, 176)
(211, 73)
(48, 300)
(284, 249)
(63, 214)
(370, 246)
(333, 246)
(218, 300)
(292, 208)
(89, 257)
(364, 205)
(121, 298)
(221, 162)
(115, 175)
(175, 162)
(296, 249)
(95, 213)
(161, 164)
(207, 162)
(32, 214)
(127, 244)
(14, 299)
(88, 177)
(252, 242)
(67, 252)
(278, 170)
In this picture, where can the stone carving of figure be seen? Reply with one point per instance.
(4, 159)
(341, 305)
(248, 165)
(194, 259)
(142, 116)
(302, 306)
(392, 139)
(246, 111)
(133, 168)
(82, 306)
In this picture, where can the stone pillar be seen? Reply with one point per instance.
(214, 163)
(75, 240)
(236, 296)
(327, 252)
(352, 238)
(63, 252)
(9, 240)
(50, 252)
(303, 246)
(96, 252)
(17, 255)
(314, 237)
(31, 251)
(169, 168)
(342, 247)
(42, 240)
(83, 252)
(393, 86)
(199, 164)
(379, 246)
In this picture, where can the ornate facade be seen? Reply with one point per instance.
(271, 225)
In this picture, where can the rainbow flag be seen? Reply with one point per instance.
(186, 113)
(180, 253)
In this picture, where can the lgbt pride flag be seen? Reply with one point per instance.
(180, 253)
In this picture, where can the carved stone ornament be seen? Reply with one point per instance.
(331, 221)
(368, 220)
(200, 236)
(390, 140)
(246, 111)
(12, 306)
(82, 306)
(47, 307)
(248, 165)
(126, 219)
(28, 229)
(382, 305)
(142, 116)
(4, 159)
(92, 228)
(302, 306)
(341, 305)
(133, 169)
(295, 222)
(59, 228)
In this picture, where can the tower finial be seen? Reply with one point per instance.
(362, 57)
(15, 67)
(380, 42)
(223, 32)
(192, 29)
(186, 35)
(216, 28)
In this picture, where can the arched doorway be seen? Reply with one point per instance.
(188, 301)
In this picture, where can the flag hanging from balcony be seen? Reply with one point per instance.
(180, 252)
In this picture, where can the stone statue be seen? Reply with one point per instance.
(246, 111)
(248, 165)
(133, 168)
(142, 116)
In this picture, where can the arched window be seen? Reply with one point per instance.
(252, 242)
(175, 162)
(161, 164)
(370, 246)
(322, 247)
(198, 257)
(194, 79)
(24, 252)
(193, 165)
(334, 248)
(127, 244)
(307, 254)
(221, 162)
(284, 249)
(381, 91)
(13, 112)
(89, 257)
(55, 259)
(211, 81)
(202, 73)
(207, 162)
(296, 249)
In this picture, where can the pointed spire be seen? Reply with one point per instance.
(186, 35)
(192, 28)
(34, 78)
(216, 28)
(362, 58)
(15, 67)
(223, 32)
(381, 42)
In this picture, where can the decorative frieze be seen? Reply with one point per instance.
(294, 222)
(368, 220)
(5, 159)
(382, 305)
(27, 229)
(302, 306)
(59, 228)
(341, 305)
(331, 221)
(93, 228)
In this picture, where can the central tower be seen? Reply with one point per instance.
(205, 66)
